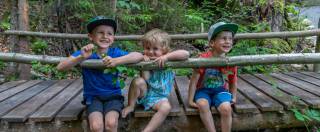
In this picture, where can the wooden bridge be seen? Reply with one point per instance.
(263, 101)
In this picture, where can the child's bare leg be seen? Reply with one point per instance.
(96, 122)
(137, 89)
(205, 114)
(163, 109)
(226, 116)
(111, 121)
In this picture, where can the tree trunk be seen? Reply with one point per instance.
(112, 8)
(10, 70)
(23, 23)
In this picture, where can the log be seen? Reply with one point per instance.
(288, 34)
(245, 60)
(241, 122)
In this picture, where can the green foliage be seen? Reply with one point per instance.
(124, 71)
(129, 46)
(307, 116)
(5, 22)
(5, 25)
(39, 46)
(2, 65)
(183, 71)
(252, 47)
(46, 71)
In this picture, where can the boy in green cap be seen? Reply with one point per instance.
(102, 96)
(215, 86)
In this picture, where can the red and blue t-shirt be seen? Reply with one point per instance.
(215, 77)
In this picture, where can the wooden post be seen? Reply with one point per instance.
(23, 22)
(11, 69)
(316, 67)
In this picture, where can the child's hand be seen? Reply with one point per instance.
(193, 104)
(86, 51)
(110, 62)
(146, 58)
(233, 101)
(161, 60)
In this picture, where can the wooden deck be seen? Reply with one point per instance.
(261, 99)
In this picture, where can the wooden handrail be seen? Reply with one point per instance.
(301, 58)
(286, 34)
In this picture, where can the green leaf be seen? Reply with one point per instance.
(122, 83)
(313, 114)
(298, 115)
(121, 69)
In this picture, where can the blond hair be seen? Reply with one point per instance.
(157, 37)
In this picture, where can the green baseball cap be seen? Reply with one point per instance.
(221, 26)
(101, 20)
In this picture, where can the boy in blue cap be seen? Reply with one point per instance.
(215, 86)
(102, 96)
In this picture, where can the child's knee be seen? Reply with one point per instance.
(96, 126)
(225, 109)
(203, 104)
(139, 82)
(111, 124)
(165, 107)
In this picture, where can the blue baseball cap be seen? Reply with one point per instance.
(221, 26)
(101, 20)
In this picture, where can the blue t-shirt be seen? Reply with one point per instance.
(98, 83)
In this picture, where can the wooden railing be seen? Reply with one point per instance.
(288, 34)
(192, 62)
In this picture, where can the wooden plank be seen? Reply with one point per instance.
(244, 105)
(21, 97)
(73, 110)
(20, 113)
(274, 92)
(309, 98)
(8, 93)
(262, 101)
(304, 78)
(173, 99)
(11, 84)
(47, 111)
(314, 89)
(182, 87)
(312, 74)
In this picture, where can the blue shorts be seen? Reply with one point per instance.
(215, 96)
(105, 104)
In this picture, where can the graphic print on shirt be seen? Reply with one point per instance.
(213, 78)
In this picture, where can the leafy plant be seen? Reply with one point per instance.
(39, 46)
(5, 25)
(124, 71)
(46, 71)
(2, 65)
(183, 71)
(307, 116)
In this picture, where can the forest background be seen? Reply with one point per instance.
(135, 17)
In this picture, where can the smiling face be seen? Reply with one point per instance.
(103, 36)
(153, 50)
(222, 43)
(156, 43)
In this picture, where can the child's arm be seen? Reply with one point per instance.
(71, 61)
(132, 57)
(192, 88)
(233, 90)
(173, 56)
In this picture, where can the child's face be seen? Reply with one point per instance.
(223, 42)
(103, 36)
(153, 50)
